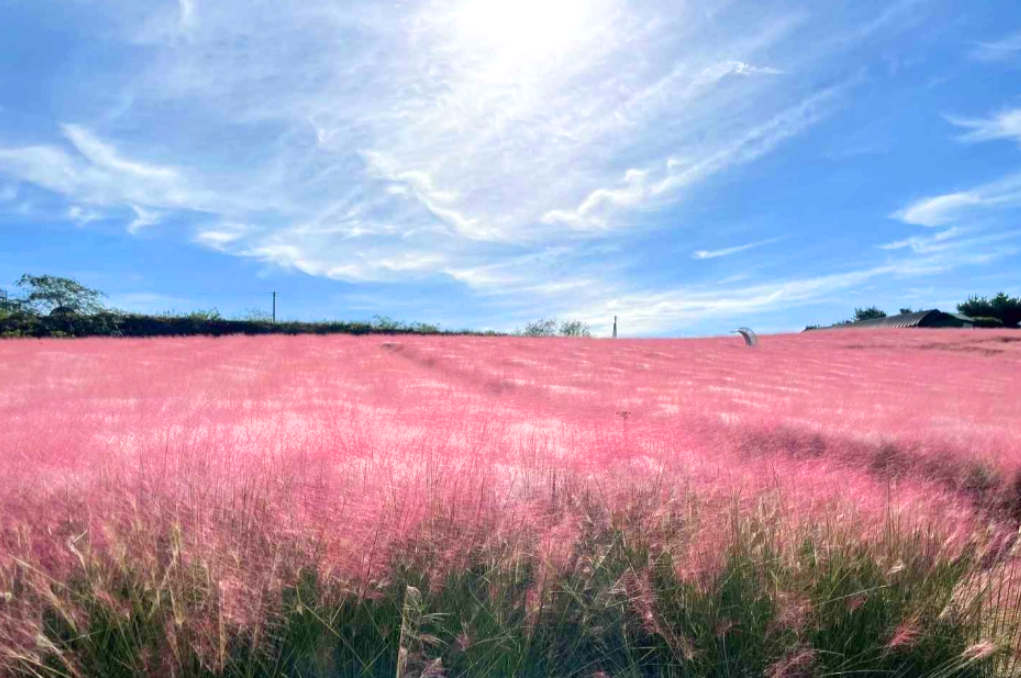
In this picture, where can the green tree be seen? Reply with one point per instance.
(575, 328)
(544, 327)
(204, 315)
(255, 315)
(905, 311)
(551, 327)
(44, 293)
(1005, 308)
(385, 323)
(870, 313)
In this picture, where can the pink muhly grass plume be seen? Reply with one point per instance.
(797, 663)
(904, 635)
(244, 456)
(979, 651)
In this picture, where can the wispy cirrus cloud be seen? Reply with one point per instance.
(83, 216)
(449, 126)
(95, 173)
(649, 311)
(486, 145)
(949, 208)
(1003, 125)
(939, 210)
(727, 251)
(220, 236)
(922, 244)
(638, 188)
(143, 219)
(1002, 50)
(950, 241)
(187, 13)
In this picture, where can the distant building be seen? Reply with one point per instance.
(933, 318)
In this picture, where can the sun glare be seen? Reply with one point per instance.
(537, 27)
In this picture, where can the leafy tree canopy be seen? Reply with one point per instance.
(255, 315)
(1003, 307)
(870, 313)
(905, 311)
(44, 293)
(211, 314)
(575, 328)
(551, 327)
(544, 327)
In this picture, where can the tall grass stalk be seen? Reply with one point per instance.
(621, 603)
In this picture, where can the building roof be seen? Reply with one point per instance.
(931, 318)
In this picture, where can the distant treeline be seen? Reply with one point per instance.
(52, 306)
(107, 324)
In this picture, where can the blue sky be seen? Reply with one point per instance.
(687, 166)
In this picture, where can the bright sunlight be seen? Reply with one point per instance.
(535, 27)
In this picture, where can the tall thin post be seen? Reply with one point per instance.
(3, 299)
(274, 307)
(614, 327)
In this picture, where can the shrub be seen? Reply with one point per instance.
(544, 327)
(870, 313)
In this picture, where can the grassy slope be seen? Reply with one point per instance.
(196, 559)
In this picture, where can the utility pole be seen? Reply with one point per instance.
(274, 307)
(614, 327)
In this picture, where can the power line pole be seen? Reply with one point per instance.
(274, 307)
(614, 327)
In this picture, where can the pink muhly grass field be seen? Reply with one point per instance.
(351, 442)
(351, 450)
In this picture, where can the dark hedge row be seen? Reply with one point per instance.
(123, 325)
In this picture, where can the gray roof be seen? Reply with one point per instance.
(916, 319)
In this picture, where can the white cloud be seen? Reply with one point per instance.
(1006, 49)
(938, 210)
(98, 174)
(220, 236)
(187, 12)
(82, 216)
(726, 252)
(419, 184)
(143, 219)
(595, 211)
(104, 157)
(472, 138)
(721, 70)
(450, 139)
(1004, 125)
(922, 244)
(949, 241)
(955, 207)
(643, 313)
(8, 192)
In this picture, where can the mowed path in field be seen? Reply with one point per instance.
(364, 438)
